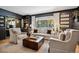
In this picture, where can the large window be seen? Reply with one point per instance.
(46, 21)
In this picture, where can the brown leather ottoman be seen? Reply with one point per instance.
(33, 43)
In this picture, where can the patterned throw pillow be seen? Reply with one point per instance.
(62, 36)
(68, 34)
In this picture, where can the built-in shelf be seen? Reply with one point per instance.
(65, 21)
(2, 27)
(26, 20)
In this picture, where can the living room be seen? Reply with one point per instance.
(39, 29)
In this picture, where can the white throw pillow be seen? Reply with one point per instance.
(68, 34)
(62, 36)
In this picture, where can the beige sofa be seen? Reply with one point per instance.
(43, 32)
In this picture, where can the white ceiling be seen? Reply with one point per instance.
(30, 10)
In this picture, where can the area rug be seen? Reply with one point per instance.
(18, 48)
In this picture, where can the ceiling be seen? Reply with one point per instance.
(30, 10)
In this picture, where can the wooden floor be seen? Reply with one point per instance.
(6, 41)
(7, 47)
(77, 49)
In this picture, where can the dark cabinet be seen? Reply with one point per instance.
(7, 33)
(2, 33)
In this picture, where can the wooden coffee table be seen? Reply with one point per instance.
(34, 43)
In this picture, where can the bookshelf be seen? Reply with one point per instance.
(2, 21)
(2, 27)
(65, 20)
(26, 20)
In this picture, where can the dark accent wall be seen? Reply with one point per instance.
(8, 13)
(5, 13)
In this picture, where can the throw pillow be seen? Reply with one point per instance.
(35, 31)
(68, 34)
(14, 31)
(62, 36)
(48, 31)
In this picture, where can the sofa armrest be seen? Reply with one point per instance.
(58, 40)
(61, 45)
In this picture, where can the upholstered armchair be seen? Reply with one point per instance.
(67, 46)
(16, 35)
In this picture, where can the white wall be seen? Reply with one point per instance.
(56, 21)
(33, 22)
